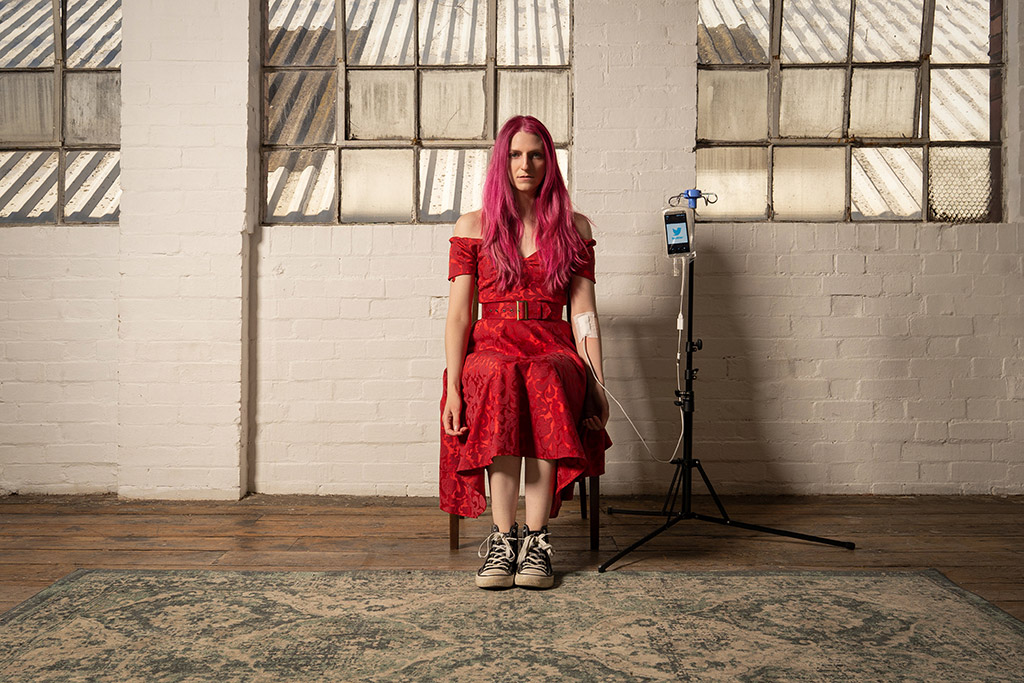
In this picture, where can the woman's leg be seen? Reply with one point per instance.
(540, 488)
(503, 475)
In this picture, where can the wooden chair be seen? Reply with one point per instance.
(595, 489)
(594, 515)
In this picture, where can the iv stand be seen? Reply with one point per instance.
(679, 499)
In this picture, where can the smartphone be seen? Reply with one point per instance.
(677, 232)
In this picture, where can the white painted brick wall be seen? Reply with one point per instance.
(185, 157)
(58, 370)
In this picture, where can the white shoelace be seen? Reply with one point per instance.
(497, 550)
(535, 553)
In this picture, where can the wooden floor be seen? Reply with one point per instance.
(978, 542)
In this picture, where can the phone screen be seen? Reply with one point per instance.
(677, 233)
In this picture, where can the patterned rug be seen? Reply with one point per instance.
(431, 626)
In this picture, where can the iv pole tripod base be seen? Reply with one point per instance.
(682, 479)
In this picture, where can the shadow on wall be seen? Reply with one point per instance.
(734, 390)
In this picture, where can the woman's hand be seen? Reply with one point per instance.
(595, 409)
(451, 418)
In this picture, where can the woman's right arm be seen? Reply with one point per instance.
(456, 333)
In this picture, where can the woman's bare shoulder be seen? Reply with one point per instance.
(469, 225)
(583, 226)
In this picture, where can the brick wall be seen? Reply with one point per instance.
(863, 358)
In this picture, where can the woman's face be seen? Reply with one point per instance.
(526, 162)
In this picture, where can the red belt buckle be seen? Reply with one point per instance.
(522, 312)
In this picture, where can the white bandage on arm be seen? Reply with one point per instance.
(586, 325)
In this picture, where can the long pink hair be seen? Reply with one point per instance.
(559, 245)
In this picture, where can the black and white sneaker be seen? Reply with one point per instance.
(534, 565)
(499, 550)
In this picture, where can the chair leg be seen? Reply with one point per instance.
(453, 531)
(595, 513)
(582, 481)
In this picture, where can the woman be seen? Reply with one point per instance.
(516, 386)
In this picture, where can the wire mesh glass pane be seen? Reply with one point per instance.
(380, 32)
(543, 94)
(377, 185)
(302, 186)
(26, 33)
(961, 32)
(380, 104)
(960, 184)
(453, 31)
(452, 105)
(882, 102)
(733, 31)
(533, 32)
(886, 182)
(301, 107)
(732, 105)
(809, 183)
(887, 31)
(94, 33)
(812, 103)
(959, 108)
(815, 31)
(301, 32)
(451, 182)
(739, 176)
(92, 107)
(28, 187)
(92, 186)
(26, 107)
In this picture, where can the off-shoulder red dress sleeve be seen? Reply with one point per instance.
(523, 389)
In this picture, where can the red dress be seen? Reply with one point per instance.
(523, 386)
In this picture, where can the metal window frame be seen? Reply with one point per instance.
(342, 142)
(921, 138)
(58, 145)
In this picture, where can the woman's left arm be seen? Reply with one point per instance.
(583, 302)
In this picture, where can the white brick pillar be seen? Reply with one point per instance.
(188, 79)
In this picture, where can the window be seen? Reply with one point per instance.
(850, 109)
(391, 120)
(60, 111)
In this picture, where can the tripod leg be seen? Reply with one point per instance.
(711, 489)
(664, 527)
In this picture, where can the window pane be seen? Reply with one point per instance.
(809, 183)
(732, 105)
(451, 182)
(302, 186)
(739, 176)
(301, 107)
(452, 104)
(887, 31)
(812, 103)
(733, 32)
(380, 32)
(960, 183)
(961, 32)
(28, 187)
(453, 31)
(882, 102)
(381, 104)
(301, 32)
(376, 185)
(26, 107)
(815, 31)
(533, 32)
(959, 108)
(94, 33)
(92, 107)
(26, 33)
(92, 187)
(543, 94)
(885, 183)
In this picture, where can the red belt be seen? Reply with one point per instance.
(522, 310)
